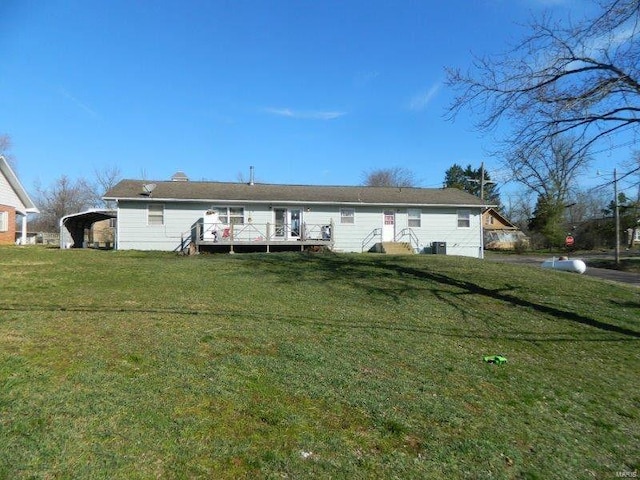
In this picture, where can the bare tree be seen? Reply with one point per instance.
(563, 79)
(63, 197)
(5, 147)
(389, 177)
(105, 179)
(551, 170)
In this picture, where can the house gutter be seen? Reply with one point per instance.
(290, 202)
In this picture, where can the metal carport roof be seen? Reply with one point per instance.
(74, 225)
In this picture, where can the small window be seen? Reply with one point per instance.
(347, 215)
(414, 215)
(464, 218)
(4, 221)
(155, 214)
(236, 215)
(230, 215)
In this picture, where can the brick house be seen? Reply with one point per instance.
(14, 202)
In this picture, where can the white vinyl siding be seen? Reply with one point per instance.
(4, 221)
(464, 218)
(347, 216)
(414, 217)
(438, 224)
(155, 215)
(8, 196)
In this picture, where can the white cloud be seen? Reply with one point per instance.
(420, 101)
(305, 114)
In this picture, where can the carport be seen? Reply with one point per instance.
(73, 226)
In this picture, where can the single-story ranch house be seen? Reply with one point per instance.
(183, 215)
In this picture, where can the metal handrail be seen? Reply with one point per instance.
(413, 238)
(371, 236)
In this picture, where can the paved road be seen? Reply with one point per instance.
(604, 273)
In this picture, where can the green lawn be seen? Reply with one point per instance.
(125, 365)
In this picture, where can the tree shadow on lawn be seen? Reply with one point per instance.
(306, 320)
(373, 276)
(338, 267)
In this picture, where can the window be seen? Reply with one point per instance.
(347, 215)
(4, 221)
(155, 214)
(230, 215)
(464, 218)
(414, 215)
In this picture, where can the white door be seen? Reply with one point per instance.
(388, 226)
(288, 222)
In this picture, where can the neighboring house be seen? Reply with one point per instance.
(14, 202)
(169, 215)
(500, 233)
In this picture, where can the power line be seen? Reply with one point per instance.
(614, 181)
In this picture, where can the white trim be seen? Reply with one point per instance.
(468, 219)
(352, 216)
(290, 202)
(4, 221)
(414, 218)
(155, 214)
(12, 178)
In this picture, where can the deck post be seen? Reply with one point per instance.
(231, 238)
(331, 226)
(268, 237)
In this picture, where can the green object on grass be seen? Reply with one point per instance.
(497, 359)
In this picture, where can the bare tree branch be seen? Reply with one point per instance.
(582, 80)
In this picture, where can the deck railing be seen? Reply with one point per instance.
(221, 233)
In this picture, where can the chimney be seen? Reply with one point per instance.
(251, 175)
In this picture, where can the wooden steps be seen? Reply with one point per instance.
(396, 248)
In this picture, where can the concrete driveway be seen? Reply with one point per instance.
(603, 273)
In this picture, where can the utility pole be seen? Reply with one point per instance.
(483, 181)
(615, 199)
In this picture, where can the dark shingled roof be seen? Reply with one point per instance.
(260, 193)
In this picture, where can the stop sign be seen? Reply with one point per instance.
(569, 241)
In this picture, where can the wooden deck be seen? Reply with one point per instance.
(259, 238)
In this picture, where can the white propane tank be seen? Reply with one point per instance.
(563, 263)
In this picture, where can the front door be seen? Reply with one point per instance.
(288, 222)
(388, 226)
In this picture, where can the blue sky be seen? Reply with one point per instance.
(308, 92)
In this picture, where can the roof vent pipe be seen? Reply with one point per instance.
(251, 178)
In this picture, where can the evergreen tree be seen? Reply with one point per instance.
(548, 221)
(470, 180)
